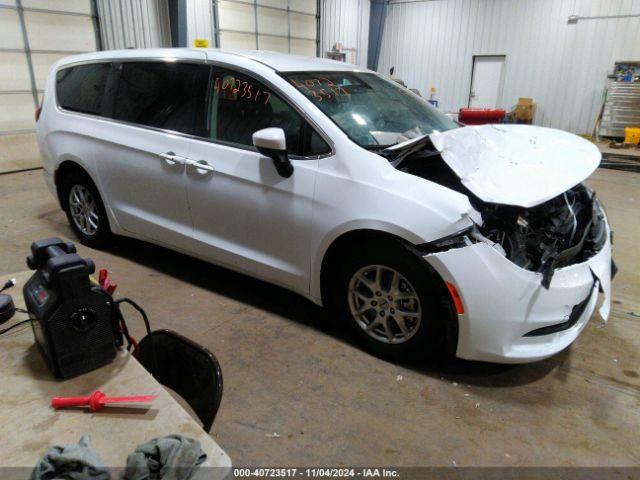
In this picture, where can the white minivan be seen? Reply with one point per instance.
(334, 182)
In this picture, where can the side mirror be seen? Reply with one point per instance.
(272, 143)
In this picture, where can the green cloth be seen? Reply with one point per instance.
(173, 457)
(71, 462)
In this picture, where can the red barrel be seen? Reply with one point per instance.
(480, 116)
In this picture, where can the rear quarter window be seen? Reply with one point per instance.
(166, 95)
(81, 88)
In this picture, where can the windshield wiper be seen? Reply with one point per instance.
(406, 143)
(405, 149)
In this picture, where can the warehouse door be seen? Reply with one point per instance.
(486, 81)
(288, 26)
(33, 35)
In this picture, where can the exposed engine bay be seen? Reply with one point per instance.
(564, 230)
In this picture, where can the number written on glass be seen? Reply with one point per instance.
(234, 88)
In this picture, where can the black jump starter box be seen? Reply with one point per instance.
(71, 317)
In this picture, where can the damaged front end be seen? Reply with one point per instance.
(561, 230)
(567, 229)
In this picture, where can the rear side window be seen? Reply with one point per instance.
(81, 88)
(165, 95)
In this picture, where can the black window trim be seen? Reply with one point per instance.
(212, 64)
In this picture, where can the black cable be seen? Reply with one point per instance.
(139, 309)
(8, 284)
(2, 332)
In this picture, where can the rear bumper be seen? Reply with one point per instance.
(503, 303)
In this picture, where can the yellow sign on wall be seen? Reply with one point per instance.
(201, 43)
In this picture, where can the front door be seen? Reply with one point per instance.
(141, 157)
(486, 81)
(245, 215)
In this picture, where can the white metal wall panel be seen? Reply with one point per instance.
(47, 31)
(53, 30)
(303, 47)
(236, 16)
(287, 26)
(134, 23)
(200, 21)
(16, 113)
(75, 6)
(10, 32)
(270, 22)
(563, 67)
(346, 22)
(14, 74)
(246, 41)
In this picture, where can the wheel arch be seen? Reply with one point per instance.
(64, 169)
(67, 167)
(344, 242)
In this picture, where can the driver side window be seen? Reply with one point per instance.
(239, 106)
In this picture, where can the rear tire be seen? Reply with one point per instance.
(392, 302)
(85, 211)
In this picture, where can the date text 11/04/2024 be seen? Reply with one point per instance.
(315, 472)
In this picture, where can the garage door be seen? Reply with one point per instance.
(288, 26)
(33, 35)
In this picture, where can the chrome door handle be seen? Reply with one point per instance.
(172, 159)
(200, 166)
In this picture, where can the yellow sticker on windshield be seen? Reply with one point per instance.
(201, 43)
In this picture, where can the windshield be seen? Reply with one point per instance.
(374, 112)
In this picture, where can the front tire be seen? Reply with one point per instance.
(85, 211)
(391, 301)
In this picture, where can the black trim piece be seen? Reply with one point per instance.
(576, 313)
(455, 240)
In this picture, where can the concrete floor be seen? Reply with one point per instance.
(332, 404)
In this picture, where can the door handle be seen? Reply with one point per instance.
(172, 159)
(200, 166)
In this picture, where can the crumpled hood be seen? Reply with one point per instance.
(518, 165)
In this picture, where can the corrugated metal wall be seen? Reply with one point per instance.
(347, 22)
(200, 21)
(563, 67)
(134, 23)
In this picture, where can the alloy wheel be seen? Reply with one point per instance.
(84, 210)
(384, 304)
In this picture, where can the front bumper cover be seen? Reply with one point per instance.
(503, 302)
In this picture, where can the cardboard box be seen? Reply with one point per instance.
(525, 109)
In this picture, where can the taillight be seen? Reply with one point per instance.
(39, 109)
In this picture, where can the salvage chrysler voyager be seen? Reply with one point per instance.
(331, 181)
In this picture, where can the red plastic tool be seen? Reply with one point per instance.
(97, 400)
(105, 281)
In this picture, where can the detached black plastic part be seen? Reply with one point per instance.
(7, 308)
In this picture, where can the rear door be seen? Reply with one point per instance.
(141, 154)
(245, 215)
